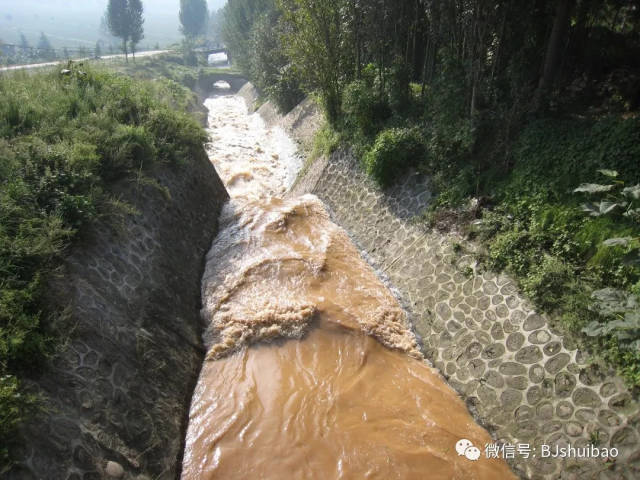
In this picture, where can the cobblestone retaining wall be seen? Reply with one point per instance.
(117, 397)
(524, 382)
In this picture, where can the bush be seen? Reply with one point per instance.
(394, 150)
(453, 188)
(364, 110)
(285, 90)
(127, 148)
(548, 281)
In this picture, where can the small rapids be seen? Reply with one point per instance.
(312, 370)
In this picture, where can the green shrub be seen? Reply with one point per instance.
(449, 142)
(394, 150)
(14, 406)
(513, 250)
(325, 141)
(364, 110)
(128, 147)
(548, 282)
(453, 192)
(285, 91)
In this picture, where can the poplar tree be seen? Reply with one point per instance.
(193, 17)
(125, 21)
(25, 48)
(136, 11)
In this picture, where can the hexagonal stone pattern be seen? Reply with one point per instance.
(525, 382)
(117, 397)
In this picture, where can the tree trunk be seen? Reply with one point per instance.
(356, 31)
(427, 49)
(554, 47)
(496, 60)
(126, 53)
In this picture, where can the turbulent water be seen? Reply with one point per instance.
(312, 370)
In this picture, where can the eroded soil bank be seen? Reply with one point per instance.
(312, 369)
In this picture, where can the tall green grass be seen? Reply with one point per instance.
(64, 141)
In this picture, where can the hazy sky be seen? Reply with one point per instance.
(77, 22)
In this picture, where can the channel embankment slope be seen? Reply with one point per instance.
(116, 397)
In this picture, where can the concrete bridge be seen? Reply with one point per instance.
(206, 81)
(211, 51)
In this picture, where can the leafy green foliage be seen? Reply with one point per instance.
(394, 150)
(193, 17)
(14, 405)
(620, 309)
(64, 141)
(573, 264)
(451, 133)
(365, 111)
(555, 155)
(270, 69)
(314, 40)
(623, 313)
(125, 20)
(619, 199)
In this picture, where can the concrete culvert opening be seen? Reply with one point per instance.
(221, 85)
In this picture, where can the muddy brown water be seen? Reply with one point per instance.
(312, 370)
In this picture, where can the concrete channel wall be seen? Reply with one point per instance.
(116, 398)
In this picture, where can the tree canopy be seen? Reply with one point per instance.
(125, 21)
(500, 50)
(193, 17)
(136, 11)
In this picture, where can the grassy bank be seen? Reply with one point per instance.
(65, 140)
(561, 243)
(170, 66)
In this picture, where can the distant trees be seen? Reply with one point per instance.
(45, 50)
(193, 22)
(118, 23)
(193, 17)
(24, 43)
(136, 11)
(25, 49)
(214, 27)
(125, 20)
